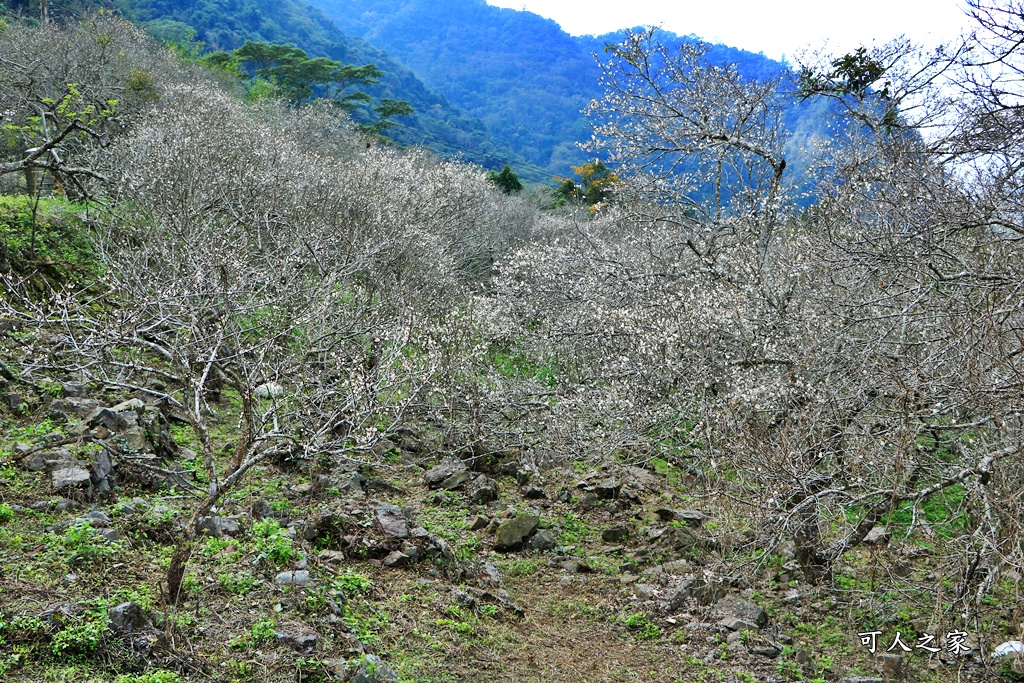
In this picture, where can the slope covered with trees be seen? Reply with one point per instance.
(279, 402)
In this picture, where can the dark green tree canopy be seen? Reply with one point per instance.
(506, 180)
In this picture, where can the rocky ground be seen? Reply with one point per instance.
(428, 567)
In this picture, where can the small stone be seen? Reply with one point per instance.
(442, 498)
(764, 651)
(608, 487)
(218, 527)
(479, 522)
(862, 679)
(396, 559)
(456, 480)
(298, 637)
(510, 535)
(737, 624)
(534, 493)
(392, 521)
(105, 417)
(135, 439)
(644, 591)
(269, 390)
(543, 540)
(373, 670)
(615, 534)
(877, 535)
(292, 578)
(109, 535)
(575, 566)
(126, 618)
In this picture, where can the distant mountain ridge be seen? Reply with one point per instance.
(519, 73)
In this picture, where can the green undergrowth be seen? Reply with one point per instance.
(47, 235)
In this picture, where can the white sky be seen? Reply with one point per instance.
(774, 27)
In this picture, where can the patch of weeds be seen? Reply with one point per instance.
(641, 626)
(465, 628)
(80, 544)
(159, 676)
(6, 513)
(30, 432)
(519, 567)
(489, 610)
(238, 583)
(350, 583)
(81, 637)
(272, 542)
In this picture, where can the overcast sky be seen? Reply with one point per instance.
(774, 27)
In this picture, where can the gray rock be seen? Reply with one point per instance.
(543, 540)
(397, 559)
(892, 666)
(298, 637)
(14, 401)
(97, 518)
(110, 535)
(608, 487)
(269, 390)
(737, 624)
(372, 669)
(292, 578)
(105, 417)
(490, 574)
(392, 521)
(878, 534)
(81, 407)
(706, 593)
(218, 527)
(441, 498)
(446, 468)
(351, 483)
(456, 480)
(511, 534)
(70, 478)
(126, 618)
(131, 405)
(731, 606)
(615, 534)
(862, 679)
(479, 522)
(412, 551)
(575, 566)
(135, 439)
(534, 493)
(765, 651)
(482, 490)
(101, 471)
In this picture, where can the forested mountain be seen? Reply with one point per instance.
(227, 24)
(520, 73)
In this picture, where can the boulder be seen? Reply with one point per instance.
(512, 534)
(482, 490)
(733, 607)
(543, 540)
(615, 534)
(392, 521)
(447, 468)
(128, 617)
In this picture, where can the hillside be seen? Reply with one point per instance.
(521, 74)
(281, 402)
(220, 25)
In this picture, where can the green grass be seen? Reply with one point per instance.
(51, 234)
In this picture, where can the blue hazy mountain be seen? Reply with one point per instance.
(519, 73)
